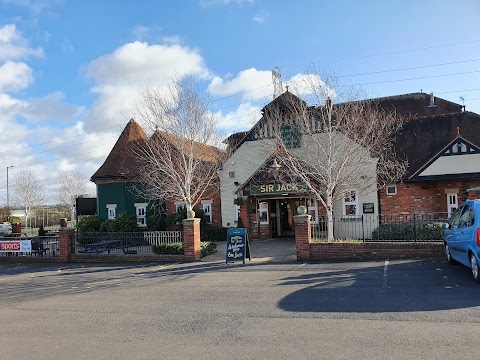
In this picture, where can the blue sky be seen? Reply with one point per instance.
(70, 71)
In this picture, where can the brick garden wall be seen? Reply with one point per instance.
(374, 251)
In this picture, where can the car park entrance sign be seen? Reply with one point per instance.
(16, 246)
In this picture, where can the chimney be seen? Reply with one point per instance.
(432, 101)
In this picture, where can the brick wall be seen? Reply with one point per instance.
(374, 251)
(216, 207)
(426, 197)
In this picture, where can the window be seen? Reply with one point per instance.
(452, 203)
(392, 190)
(179, 206)
(466, 219)
(291, 136)
(312, 210)
(141, 211)
(237, 212)
(263, 212)
(111, 211)
(231, 174)
(207, 210)
(350, 204)
(455, 218)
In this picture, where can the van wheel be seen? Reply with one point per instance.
(449, 256)
(474, 266)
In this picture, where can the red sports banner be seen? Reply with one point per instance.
(16, 246)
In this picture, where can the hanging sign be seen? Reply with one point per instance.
(237, 245)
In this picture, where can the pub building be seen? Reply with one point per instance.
(251, 188)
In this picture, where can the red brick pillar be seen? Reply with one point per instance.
(191, 239)
(303, 235)
(65, 239)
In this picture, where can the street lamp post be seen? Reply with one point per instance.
(8, 199)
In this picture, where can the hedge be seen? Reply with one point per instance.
(214, 234)
(421, 231)
(207, 248)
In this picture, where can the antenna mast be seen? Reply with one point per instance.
(277, 82)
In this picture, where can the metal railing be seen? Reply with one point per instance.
(394, 228)
(125, 243)
(42, 246)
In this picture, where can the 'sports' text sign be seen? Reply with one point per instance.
(16, 246)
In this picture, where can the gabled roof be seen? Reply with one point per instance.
(422, 140)
(120, 163)
(407, 106)
(448, 163)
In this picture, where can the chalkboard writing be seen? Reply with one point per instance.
(237, 245)
(368, 208)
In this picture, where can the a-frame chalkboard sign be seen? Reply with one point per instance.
(237, 245)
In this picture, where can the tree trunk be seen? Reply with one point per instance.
(330, 237)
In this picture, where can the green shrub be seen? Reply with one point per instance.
(122, 223)
(88, 224)
(213, 234)
(176, 248)
(156, 220)
(208, 248)
(422, 231)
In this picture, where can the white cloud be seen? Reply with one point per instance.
(50, 106)
(13, 45)
(252, 84)
(15, 76)
(120, 76)
(261, 18)
(307, 84)
(241, 119)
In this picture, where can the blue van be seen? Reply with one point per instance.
(462, 236)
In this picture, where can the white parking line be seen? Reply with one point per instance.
(385, 274)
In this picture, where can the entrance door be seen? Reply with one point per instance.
(287, 211)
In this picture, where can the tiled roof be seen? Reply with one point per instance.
(422, 138)
(200, 151)
(120, 163)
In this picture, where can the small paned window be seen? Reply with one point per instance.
(392, 190)
(112, 213)
(141, 216)
(231, 174)
(350, 204)
(263, 212)
(207, 210)
(291, 135)
(452, 203)
(312, 207)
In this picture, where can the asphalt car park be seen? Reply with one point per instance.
(210, 310)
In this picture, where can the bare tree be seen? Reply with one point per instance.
(333, 148)
(180, 161)
(70, 186)
(28, 192)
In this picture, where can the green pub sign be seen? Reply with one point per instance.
(278, 188)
